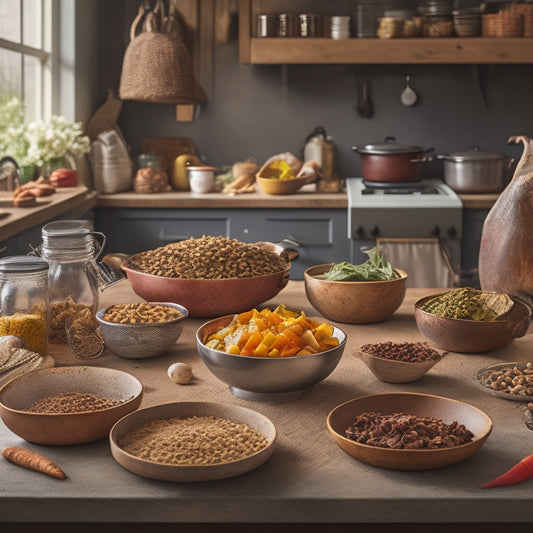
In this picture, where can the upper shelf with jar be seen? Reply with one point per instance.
(437, 44)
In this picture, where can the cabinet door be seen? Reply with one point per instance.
(320, 235)
(135, 230)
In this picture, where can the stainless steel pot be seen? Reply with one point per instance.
(392, 162)
(472, 171)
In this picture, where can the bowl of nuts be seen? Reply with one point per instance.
(210, 276)
(141, 330)
(399, 362)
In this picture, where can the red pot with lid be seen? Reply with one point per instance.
(392, 162)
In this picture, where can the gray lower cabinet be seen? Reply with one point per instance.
(319, 235)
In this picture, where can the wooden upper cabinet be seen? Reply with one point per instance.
(449, 50)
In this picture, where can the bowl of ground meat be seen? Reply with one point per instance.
(63, 406)
(210, 276)
(399, 362)
(408, 431)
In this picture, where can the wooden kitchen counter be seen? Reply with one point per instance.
(14, 220)
(308, 479)
(306, 197)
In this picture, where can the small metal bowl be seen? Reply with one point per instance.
(141, 341)
(267, 378)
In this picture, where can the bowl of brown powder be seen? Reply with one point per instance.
(63, 406)
(192, 441)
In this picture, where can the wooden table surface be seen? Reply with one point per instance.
(308, 479)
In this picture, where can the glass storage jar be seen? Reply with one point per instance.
(71, 250)
(24, 300)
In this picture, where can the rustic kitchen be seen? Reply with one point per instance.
(380, 152)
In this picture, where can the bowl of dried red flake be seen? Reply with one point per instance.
(68, 405)
(399, 362)
(408, 431)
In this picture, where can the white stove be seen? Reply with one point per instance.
(428, 208)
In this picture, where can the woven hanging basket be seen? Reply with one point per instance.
(157, 67)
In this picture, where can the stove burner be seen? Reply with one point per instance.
(393, 184)
(419, 188)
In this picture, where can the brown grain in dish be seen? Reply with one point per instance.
(72, 402)
(195, 440)
(413, 352)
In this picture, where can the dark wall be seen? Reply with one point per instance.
(258, 111)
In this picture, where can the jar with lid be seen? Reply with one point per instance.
(151, 177)
(24, 300)
(71, 250)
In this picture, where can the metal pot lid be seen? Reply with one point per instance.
(474, 155)
(390, 146)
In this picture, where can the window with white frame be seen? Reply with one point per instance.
(26, 54)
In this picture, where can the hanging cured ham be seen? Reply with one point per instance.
(506, 250)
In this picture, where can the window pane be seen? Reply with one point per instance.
(10, 72)
(10, 20)
(31, 18)
(32, 88)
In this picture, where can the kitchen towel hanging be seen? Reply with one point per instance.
(423, 259)
(157, 67)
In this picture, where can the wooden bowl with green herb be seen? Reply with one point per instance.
(356, 294)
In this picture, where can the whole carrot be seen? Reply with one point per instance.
(522, 471)
(33, 461)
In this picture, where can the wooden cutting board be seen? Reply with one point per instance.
(168, 148)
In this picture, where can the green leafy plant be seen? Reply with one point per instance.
(375, 268)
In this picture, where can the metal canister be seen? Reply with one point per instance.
(286, 25)
(266, 25)
(307, 25)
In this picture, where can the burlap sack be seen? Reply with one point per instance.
(157, 66)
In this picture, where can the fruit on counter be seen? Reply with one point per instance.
(375, 268)
(242, 177)
(179, 178)
(180, 373)
(273, 333)
(469, 304)
(64, 177)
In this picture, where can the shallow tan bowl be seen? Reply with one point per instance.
(354, 302)
(446, 409)
(207, 297)
(473, 336)
(70, 428)
(185, 473)
(393, 371)
(277, 186)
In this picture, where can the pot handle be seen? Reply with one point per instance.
(424, 159)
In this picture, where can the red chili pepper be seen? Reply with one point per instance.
(516, 474)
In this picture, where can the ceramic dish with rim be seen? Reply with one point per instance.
(396, 371)
(65, 429)
(424, 405)
(192, 473)
(488, 374)
(473, 336)
(207, 297)
(354, 302)
(277, 186)
(267, 378)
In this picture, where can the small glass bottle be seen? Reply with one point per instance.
(24, 300)
(71, 250)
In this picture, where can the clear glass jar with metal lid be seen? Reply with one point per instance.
(71, 250)
(24, 300)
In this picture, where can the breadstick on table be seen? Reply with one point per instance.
(33, 461)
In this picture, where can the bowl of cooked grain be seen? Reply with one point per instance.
(408, 431)
(192, 441)
(260, 375)
(68, 405)
(399, 362)
(141, 330)
(210, 276)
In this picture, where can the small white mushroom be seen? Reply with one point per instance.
(180, 373)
